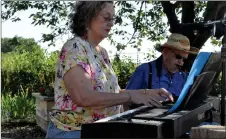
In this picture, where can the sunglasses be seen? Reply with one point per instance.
(177, 56)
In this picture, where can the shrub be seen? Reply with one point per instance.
(18, 107)
(31, 70)
(123, 69)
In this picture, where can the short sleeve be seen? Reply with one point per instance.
(73, 54)
(105, 56)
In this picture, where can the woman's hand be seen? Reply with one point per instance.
(150, 97)
(160, 94)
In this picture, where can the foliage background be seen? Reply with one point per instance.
(27, 65)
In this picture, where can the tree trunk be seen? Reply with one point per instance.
(214, 11)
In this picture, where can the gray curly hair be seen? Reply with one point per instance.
(83, 13)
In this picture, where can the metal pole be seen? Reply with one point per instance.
(223, 78)
(138, 50)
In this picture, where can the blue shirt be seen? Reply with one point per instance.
(173, 83)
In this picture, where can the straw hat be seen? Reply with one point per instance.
(178, 42)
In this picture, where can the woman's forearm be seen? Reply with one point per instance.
(97, 100)
(79, 86)
(126, 105)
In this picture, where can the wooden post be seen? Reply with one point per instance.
(208, 132)
(43, 106)
(217, 116)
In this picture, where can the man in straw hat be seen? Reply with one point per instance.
(166, 71)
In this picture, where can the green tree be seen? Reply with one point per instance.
(28, 66)
(123, 69)
(8, 45)
(18, 43)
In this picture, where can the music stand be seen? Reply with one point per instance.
(203, 83)
(212, 25)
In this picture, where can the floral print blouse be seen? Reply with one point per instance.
(66, 115)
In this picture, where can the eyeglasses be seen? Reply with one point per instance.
(108, 19)
(177, 56)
